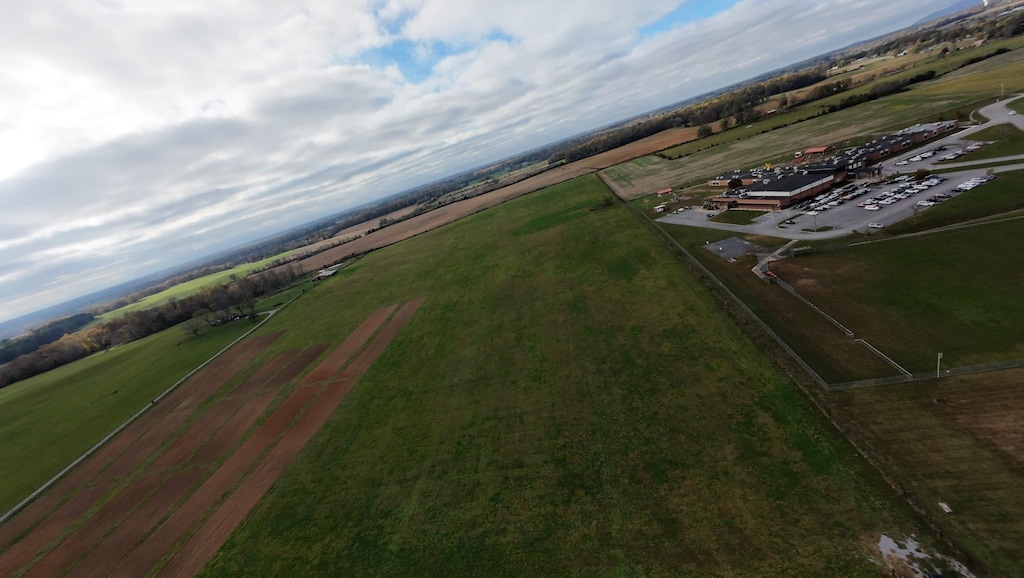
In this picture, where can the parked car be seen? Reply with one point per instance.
(875, 225)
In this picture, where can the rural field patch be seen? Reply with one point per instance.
(97, 527)
(568, 401)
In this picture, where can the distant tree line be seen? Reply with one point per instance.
(52, 331)
(213, 305)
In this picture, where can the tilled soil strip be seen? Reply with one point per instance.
(164, 537)
(213, 419)
(156, 546)
(121, 540)
(51, 527)
(86, 536)
(204, 544)
(45, 504)
(337, 359)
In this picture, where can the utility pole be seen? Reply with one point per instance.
(938, 365)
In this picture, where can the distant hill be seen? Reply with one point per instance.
(951, 9)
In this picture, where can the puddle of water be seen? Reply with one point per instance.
(923, 565)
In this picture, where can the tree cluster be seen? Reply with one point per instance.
(52, 331)
(212, 305)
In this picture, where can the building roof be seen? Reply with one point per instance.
(816, 150)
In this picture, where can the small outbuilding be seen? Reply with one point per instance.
(323, 274)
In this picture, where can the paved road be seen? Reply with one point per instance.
(847, 218)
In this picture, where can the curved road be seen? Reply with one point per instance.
(848, 218)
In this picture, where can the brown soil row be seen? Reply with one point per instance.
(213, 419)
(337, 359)
(156, 546)
(138, 523)
(205, 543)
(137, 451)
(106, 455)
(88, 535)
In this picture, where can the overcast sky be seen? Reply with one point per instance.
(136, 135)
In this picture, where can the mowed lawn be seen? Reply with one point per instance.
(955, 292)
(49, 420)
(1003, 195)
(568, 400)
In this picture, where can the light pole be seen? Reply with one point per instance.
(938, 365)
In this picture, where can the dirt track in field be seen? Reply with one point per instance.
(142, 494)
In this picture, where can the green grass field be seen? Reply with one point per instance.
(1005, 140)
(737, 217)
(1017, 105)
(569, 400)
(952, 441)
(832, 355)
(49, 420)
(189, 287)
(1002, 195)
(914, 297)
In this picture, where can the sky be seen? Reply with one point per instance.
(138, 135)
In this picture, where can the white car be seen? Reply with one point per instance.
(915, 159)
(925, 203)
(902, 163)
(1013, 112)
(872, 208)
(875, 225)
(811, 213)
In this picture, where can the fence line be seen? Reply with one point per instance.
(676, 246)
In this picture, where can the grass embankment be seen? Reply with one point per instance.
(1002, 195)
(49, 420)
(737, 217)
(569, 400)
(954, 292)
(1006, 140)
(189, 287)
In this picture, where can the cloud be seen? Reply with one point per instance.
(136, 136)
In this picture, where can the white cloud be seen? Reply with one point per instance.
(136, 135)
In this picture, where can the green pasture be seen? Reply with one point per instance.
(49, 420)
(914, 297)
(829, 352)
(947, 441)
(737, 217)
(189, 287)
(568, 401)
(1003, 195)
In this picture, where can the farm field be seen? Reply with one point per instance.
(567, 400)
(91, 397)
(915, 297)
(192, 467)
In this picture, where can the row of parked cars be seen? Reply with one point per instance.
(946, 157)
(904, 190)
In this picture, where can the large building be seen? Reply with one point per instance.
(768, 190)
(779, 189)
